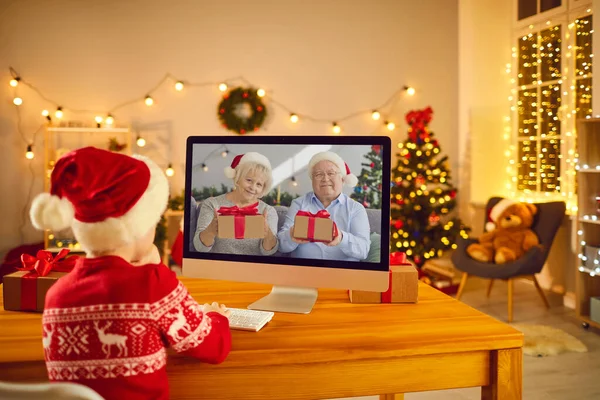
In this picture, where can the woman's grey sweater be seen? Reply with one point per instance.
(233, 246)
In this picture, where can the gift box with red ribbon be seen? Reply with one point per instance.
(315, 227)
(25, 290)
(241, 222)
(403, 284)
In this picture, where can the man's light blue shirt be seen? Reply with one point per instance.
(350, 218)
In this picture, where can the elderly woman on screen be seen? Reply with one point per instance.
(329, 173)
(251, 174)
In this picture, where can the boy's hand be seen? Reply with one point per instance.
(215, 307)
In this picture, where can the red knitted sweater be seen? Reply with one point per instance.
(107, 325)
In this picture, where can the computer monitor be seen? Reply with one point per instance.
(358, 256)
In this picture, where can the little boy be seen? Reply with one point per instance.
(108, 322)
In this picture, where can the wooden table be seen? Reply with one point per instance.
(338, 350)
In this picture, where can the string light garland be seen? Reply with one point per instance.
(223, 86)
(550, 90)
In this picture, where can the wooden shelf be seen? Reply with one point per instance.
(588, 180)
(586, 318)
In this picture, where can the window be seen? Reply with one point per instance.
(552, 89)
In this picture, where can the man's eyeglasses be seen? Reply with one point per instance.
(321, 175)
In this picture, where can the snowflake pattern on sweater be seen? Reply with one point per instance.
(91, 341)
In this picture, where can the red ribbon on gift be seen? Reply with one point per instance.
(396, 258)
(41, 265)
(239, 214)
(311, 222)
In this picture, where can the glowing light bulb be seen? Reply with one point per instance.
(169, 171)
(293, 118)
(223, 87)
(294, 181)
(149, 101)
(59, 113)
(336, 128)
(179, 86)
(390, 125)
(410, 90)
(375, 115)
(98, 119)
(260, 92)
(224, 153)
(204, 167)
(141, 142)
(45, 113)
(14, 82)
(29, 153)
(109, 120)
(17, 101)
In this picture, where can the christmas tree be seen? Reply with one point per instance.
(422, 195)
(368, 190)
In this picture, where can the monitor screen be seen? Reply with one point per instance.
(290, 210)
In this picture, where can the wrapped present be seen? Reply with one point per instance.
(315, 227)
(403, 285)
(25, 290)
(440, 282)
(241, 222)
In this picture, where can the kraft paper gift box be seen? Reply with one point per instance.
(403, 284)
(25, 290)
(240, 223)
(314, 227)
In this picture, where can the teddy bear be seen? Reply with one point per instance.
(509, 236)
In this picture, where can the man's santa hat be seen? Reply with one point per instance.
(348, 178)
(495, 212)
(108, 199)
(249, 157)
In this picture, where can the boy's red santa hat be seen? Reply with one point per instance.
(495, 212)
(108, 199)
(348, 178)
(241, 159)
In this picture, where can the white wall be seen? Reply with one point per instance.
(484, 51)
(326, 58)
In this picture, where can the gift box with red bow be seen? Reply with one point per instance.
(240, 222)
(315, 227)
(403, 284)
(25, 290)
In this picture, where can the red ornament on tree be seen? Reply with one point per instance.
(420, 180)
(372, 165)
(417, 259)
(398, 224)
(242, 131)
(365, 187)
(376, 148)
(452, 194)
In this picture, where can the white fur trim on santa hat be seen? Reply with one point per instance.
(51, 212)
(348, 179)
(496, 211)
(143, 216)
(250, 156)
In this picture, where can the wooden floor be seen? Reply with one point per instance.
(568, 376)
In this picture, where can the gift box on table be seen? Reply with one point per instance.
(403, 286)
(240, 222)
(315, 227)
(25, 290)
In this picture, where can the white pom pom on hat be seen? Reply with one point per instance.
(108, 199)
(348, 177)
(241, 159)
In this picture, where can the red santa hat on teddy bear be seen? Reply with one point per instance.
(495, 212)
(108, 199)
(348, 178)
(249, 157)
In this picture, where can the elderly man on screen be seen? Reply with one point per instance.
(329, 173)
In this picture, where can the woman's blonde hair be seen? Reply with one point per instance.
(245, 169)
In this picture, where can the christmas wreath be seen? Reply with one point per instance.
(242, 110)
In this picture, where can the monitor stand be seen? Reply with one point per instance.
(298, 300)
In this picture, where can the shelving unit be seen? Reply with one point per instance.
(588, 217)
(58, 141)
